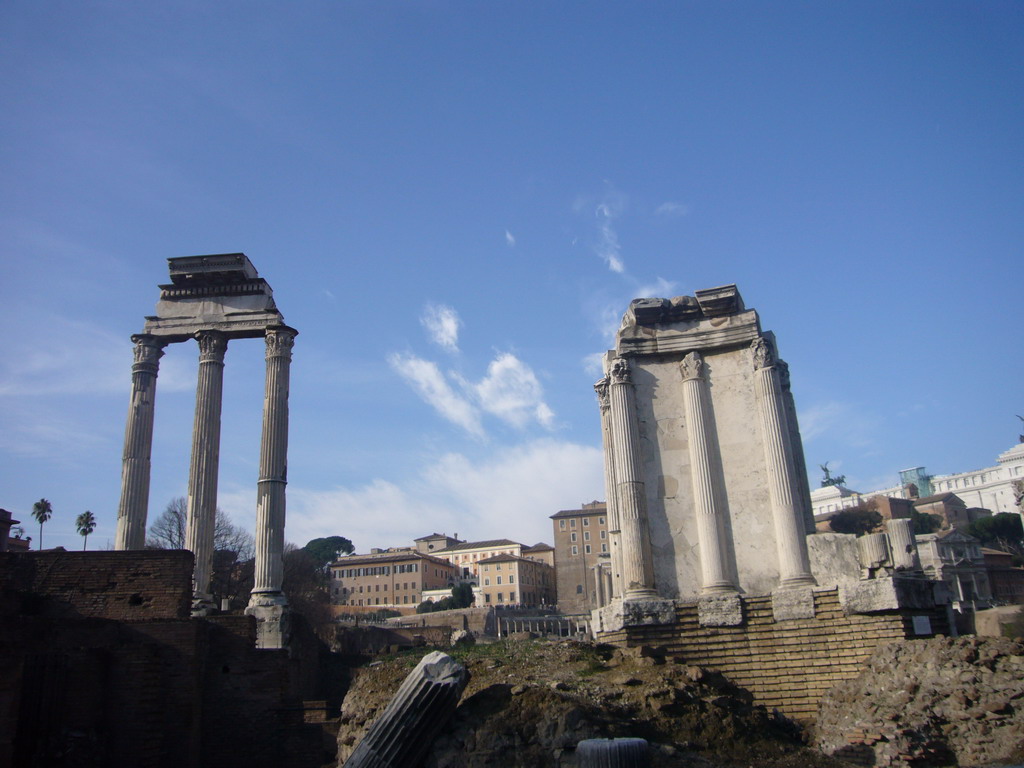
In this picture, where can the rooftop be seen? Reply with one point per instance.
(480, 545)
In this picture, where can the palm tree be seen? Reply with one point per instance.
(86, 524)
(41, 511)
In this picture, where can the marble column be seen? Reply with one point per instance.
(138, 444)
(202, 478)
(705, 475)
(270, 503)
(790, 537)
(614, 543)
(630, 492)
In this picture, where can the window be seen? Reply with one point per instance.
(604, 534)
(572, 523)
(586, 522)
(586, 549)
(575, 549)
(600, 521)
(499, 580)
(511, 579)
(604, 547)
(501, 597)
(561, 525)
(511, 597)
(497, 567)
(572, 536)
(586, 535)
(579, 589)
(487, 582)
(487, 598)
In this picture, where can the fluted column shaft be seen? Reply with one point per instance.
(138, 444)
(708, 503)
(270, 503)
(631, 495)
(202, 478)
(614, 541)
(794, 564)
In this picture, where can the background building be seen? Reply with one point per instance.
(389, 579)
(581, 543)
(467, 554)
(508, 580)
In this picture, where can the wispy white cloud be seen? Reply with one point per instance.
(426, 378)
(671, 209)
(511, 391)
(821, 418)
(608, 247)
(593, 364)
(509, 494)
(659, 289)
(73, 357)
(510, 239)
(442, 323)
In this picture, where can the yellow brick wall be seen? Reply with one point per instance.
(786, 665)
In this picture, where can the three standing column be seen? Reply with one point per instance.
(202, 479)
(630, 495)
(270, 503)
(138, 444)
(794, 564)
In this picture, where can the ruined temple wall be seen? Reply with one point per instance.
(122, 586)
(787, 665)
(665, 435)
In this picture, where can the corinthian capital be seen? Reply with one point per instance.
(763, 356)
(212, 346)
(148, 351)
(601, 388)
(620, 372)
(692, 366)
(280, 341)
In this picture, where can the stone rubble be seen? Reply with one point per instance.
(932, 702)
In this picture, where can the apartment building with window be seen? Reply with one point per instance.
(581, 542)
(467, 555)
(394, 578)
(512, 581)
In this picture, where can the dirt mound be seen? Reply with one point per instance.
(529, 702)
(930, 702)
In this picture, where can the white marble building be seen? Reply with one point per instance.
(989, 488)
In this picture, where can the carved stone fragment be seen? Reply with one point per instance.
(401, 736)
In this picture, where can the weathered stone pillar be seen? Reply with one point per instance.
(794, 564)
(614, 531)
(903, 545)
(427, 698)
(705, 474)
(202, 478)
(270, 503)
(138, 444)
(600, 599)
(630, 496)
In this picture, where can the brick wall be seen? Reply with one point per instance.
(786, 665)
(123, 586)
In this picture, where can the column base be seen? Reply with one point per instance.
(803, 580)
(273, 623)
(722, 588)
(789, 603)
(633, 612)
(720, 610)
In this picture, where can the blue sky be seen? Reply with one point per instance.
(455, 202)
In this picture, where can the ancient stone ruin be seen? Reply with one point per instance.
(214, 299)
(710, 514)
